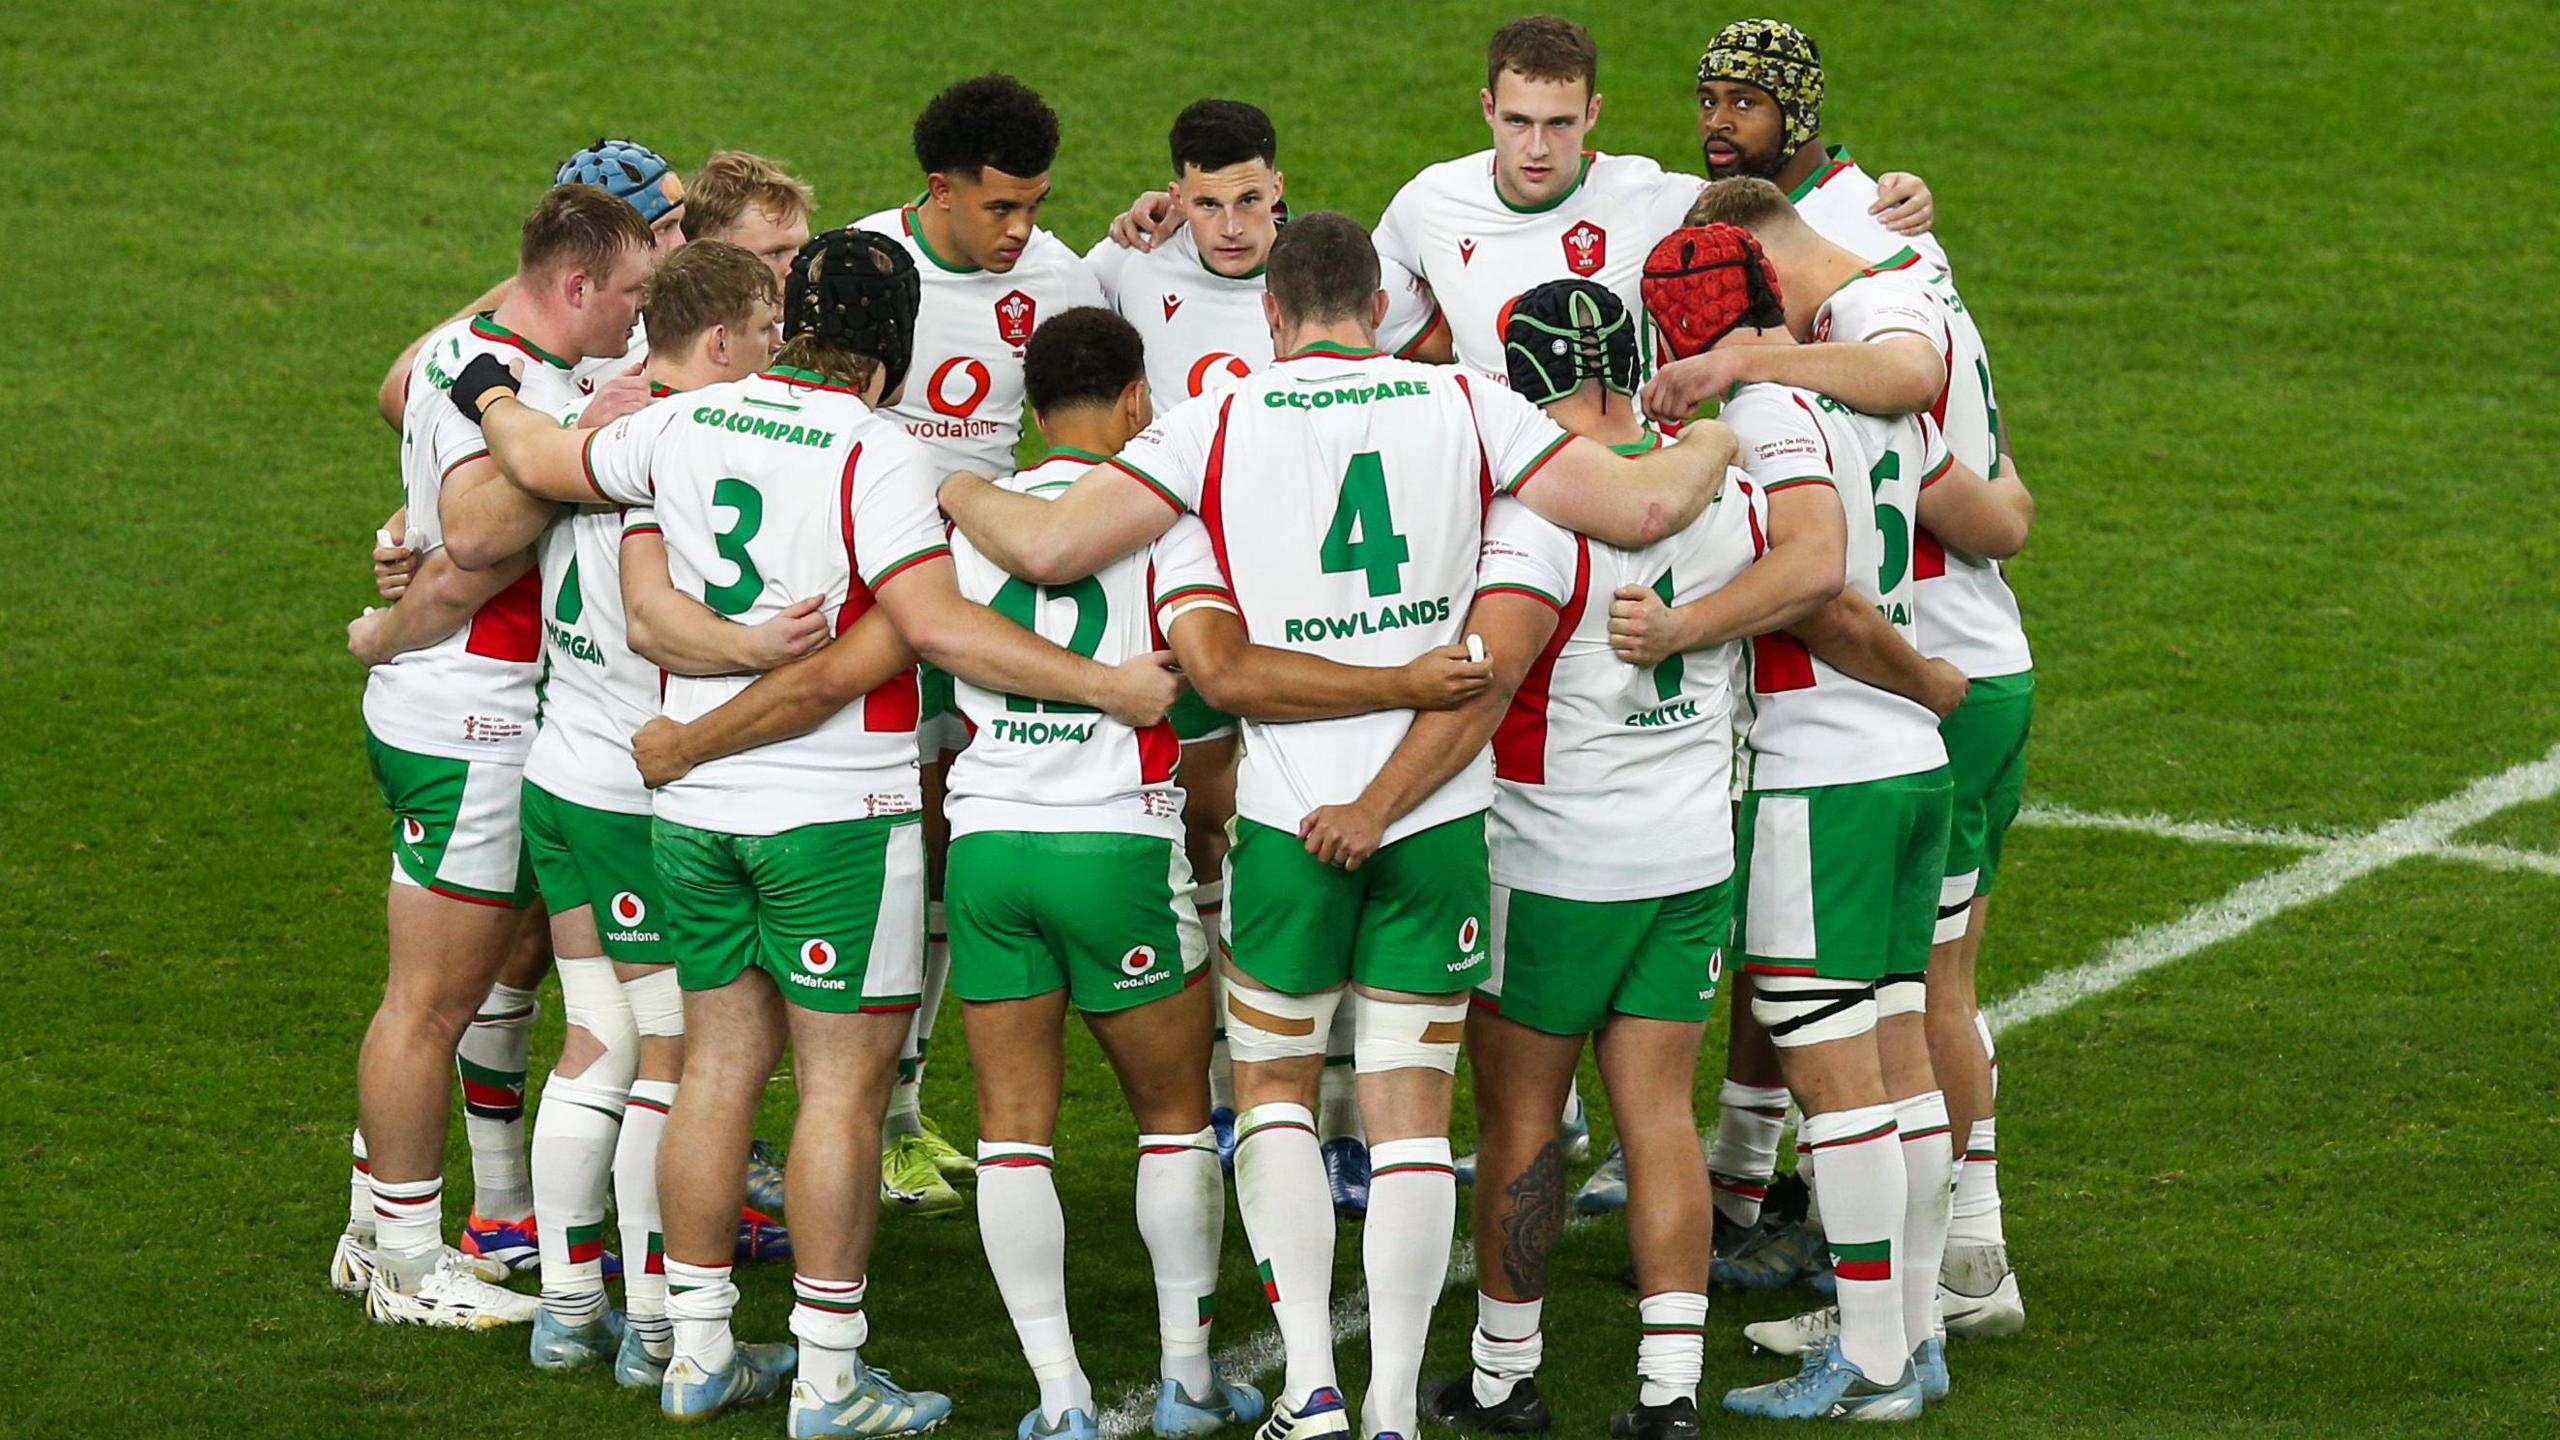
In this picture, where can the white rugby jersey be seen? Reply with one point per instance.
(1048, 765)
(596, 692)
(1807, 723)
(1202, 327)
(769, 490)
(1968, 615)
(1610, 780)
(588, 374)
(469, 696)
(963, 394)
(1479, 252)
(1351, 532)
(1834, 200)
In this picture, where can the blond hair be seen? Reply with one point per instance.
(732, 180)
(707, 283)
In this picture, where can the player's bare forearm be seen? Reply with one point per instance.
(800, 696)
(1780, 588)
(1988, 518)
(539, 456)
(992, 653)
(1637, 501)
(1851, 636)
(1260, 682)
(1101, 517)
(1898, 375)
(441, 600)
(486, 519)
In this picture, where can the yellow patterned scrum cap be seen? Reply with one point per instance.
(1780, 59)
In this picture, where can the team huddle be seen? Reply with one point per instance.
(1385, 659)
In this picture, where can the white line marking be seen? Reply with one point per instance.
(2334, 861)
(2315, 876)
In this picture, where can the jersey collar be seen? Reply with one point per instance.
(1576, 188)
(1902, 259)
(1069, 452)
(799, 379)
(486, 326)
(1328, 350)
(659, 390)
(1836, 159)
(915, 231)
(1652, 441)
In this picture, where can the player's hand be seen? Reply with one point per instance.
(800, 630)
(1947, 687)
(1642, 629)
(480, 383)
(622, 395)
(1150, 220)
(1441, 679)
(658, 749)
(1343, 836)
(1141, 689)
(365, 639)
(1904, 204)
(394, 563)
(1675, 392)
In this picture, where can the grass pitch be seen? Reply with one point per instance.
(2268, 288)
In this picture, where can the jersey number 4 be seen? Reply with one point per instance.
(1363, 534)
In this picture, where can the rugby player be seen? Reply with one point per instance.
(1842, 835)
(1612, 863)
(1364, 516)
(1197, 301)
(449, 716)
(715, 309)
(1890, 340)
(798, 905)
(991, 276)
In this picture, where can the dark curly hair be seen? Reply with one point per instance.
(1214, 134)
(990, 122)
(1084, 356)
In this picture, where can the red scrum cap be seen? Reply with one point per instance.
(1702, 281)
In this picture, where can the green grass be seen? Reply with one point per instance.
(2263, 283)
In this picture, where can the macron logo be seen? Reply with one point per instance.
(1171, 304)
(1466, 251)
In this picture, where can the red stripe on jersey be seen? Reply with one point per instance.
(896, 703)
(1213, 494)
(1779, 662)
(1818, 433)
(1520, 741)
(1159, 750)
(1759, 542)
(508, 625)
(1928, 555)
(1947, 355)
(1484, 462)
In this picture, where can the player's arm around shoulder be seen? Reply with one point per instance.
(791, 700)
(1799, 568)
(440, 600)
(1110, 511)
(1631, 501)
(1261, 682)
(681, 635)
(1975, 514)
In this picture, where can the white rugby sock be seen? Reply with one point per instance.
(1025, 1233)
(1864, 1194)
(828, 1320)
(1928, 1163)
(1976, 1217)
(700, 1299)
(1182, 1217)
(574, 1131)
(1288, 1218)
(408, 1229)
(905, 1115)
(635, 1206)
(491, 1061)
(1507, 1345)
(1749, 1121)
(1413, 1211)
(1812, 1187)
(359, 1191)
(1671, 1348)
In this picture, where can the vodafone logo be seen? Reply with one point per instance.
(1715, 966)
(1015, 314)
(1468, 930)
(1586, 248)
(1213, 362)
(628, 908)
(1139, 960)
(1466, 252)
(959, 386)
(1171, 304)
(817, 956)
(411, 832)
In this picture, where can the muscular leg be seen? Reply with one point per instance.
(492, 1057)
(1280, 1185)
(1649, 1069)
(576, 1129)
(1751, 1112)
(842, 1067)
(1158, 1051)
(1522, 1075)
(1849, 1123)
(1413, 1191)
(443, 955)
